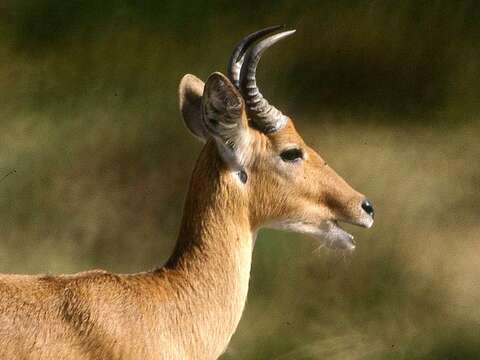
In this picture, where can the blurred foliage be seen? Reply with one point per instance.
(353, 55)
(388, 93)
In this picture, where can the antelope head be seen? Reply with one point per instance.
(285, 183)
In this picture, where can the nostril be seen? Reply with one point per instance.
(368, 207)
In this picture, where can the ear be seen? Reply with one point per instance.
(190, 93)
(224, 119)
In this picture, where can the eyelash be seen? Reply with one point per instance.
(291, 155)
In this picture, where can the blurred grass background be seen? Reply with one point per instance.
(388, 92)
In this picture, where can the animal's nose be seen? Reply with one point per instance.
(368, 207)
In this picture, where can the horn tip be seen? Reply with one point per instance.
(283, 27)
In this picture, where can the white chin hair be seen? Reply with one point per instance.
(328, 231)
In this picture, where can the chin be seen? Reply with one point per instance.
(329, 232)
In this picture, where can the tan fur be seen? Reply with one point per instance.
(190, 308)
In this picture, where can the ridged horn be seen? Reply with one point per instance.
(236, 59)
(264, 116)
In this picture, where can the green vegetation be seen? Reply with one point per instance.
(386, 91)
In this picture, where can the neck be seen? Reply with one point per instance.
(214, 251)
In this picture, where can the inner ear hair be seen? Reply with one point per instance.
(223, 107)
(225, 119)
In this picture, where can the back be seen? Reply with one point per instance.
(54, 316)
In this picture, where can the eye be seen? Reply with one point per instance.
(291, 155)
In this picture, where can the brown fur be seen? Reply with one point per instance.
(190, 308)
(176, 312)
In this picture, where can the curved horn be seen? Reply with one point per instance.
(265, 116)
(236, 60)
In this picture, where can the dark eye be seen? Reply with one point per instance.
(292, 155)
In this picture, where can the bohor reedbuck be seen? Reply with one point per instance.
(254, 171)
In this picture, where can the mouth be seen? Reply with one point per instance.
(335, 237)
(329, 232)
